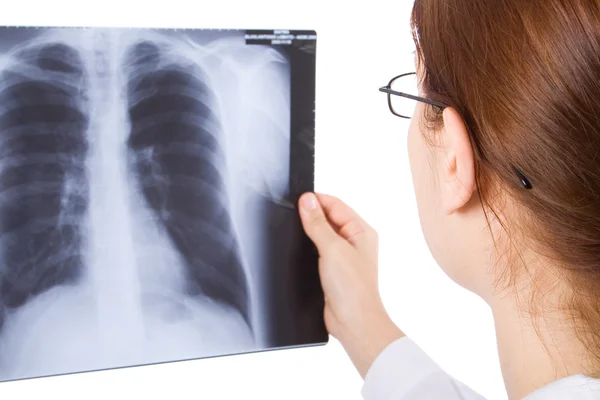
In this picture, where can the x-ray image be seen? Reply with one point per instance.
(148, 196)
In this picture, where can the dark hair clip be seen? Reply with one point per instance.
(524, 181)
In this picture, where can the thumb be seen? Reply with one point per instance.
(315, 222)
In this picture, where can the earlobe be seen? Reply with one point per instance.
(459, 168)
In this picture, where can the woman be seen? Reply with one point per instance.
(504, 149)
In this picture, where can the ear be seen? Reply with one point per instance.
(458, 167)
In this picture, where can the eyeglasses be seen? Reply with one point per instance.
(403, 93)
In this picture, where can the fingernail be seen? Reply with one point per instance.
(309, 202)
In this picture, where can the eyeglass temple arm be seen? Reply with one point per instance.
(386, 89)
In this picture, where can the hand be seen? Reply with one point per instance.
(348, 256)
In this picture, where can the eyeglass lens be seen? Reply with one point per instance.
(402, 105)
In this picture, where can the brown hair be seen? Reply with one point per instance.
(525, 77)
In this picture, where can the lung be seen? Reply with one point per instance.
(178, 161)
(43, 188)
(148, 189)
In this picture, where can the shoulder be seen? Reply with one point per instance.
(578, 387)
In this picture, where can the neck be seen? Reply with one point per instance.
(534, 349)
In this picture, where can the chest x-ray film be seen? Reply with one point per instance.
(148, 196)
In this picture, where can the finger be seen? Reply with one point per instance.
(348, 223)
(315, 223)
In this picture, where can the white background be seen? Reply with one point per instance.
(361, 157)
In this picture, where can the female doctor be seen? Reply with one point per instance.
(504, 148)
